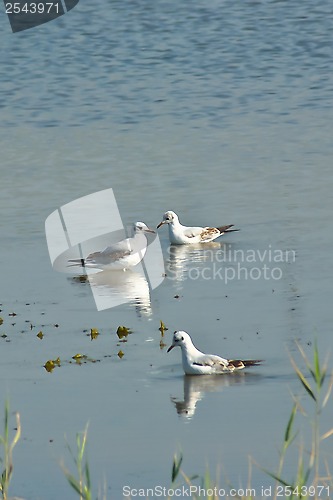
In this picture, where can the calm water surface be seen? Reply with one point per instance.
(222, 113)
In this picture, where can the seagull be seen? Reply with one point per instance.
(196, 362)
(118, 256)
(183, 235)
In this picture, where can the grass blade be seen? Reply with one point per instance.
(316, 364)
(73, 482)
(327, 434)
(328, 393)
(303, 380)
(176, 467)
(287, 438)
(277, 478)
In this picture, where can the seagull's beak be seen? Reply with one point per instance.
(171, 347)
(149, 230)
(161, 223)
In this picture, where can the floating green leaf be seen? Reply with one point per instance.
(49, 365)
(40, 335)
(162, 328)
(78, 356)
(1, 321)
(94, 333)
(121, 354)
(123, 331)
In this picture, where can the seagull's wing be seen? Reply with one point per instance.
(192, 232)
(209, 233)
(110, 254)
(211, 360)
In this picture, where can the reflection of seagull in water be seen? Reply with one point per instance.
(184, 258)
(183, 235)
(196, 362)
(195, 389)
(111, 288)
(122, 255)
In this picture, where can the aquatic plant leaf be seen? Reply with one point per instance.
(40, 335)
(94, 333)
(57, 361)
(49, 365)
(1, 321)
(121, 354)
(162, 328)
(123, 331)
(78, 356)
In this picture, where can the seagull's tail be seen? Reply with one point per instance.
(238, 364)
(77, 262)
(225, 229)
(252, 362)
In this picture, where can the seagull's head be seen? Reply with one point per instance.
(140, 227)
(180, 338)
(168, 218)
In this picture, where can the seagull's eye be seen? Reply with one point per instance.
(182, 338)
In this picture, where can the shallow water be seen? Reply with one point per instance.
(222, 113)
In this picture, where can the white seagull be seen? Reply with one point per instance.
(118, 256)
(183, 235)
(196, 362)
